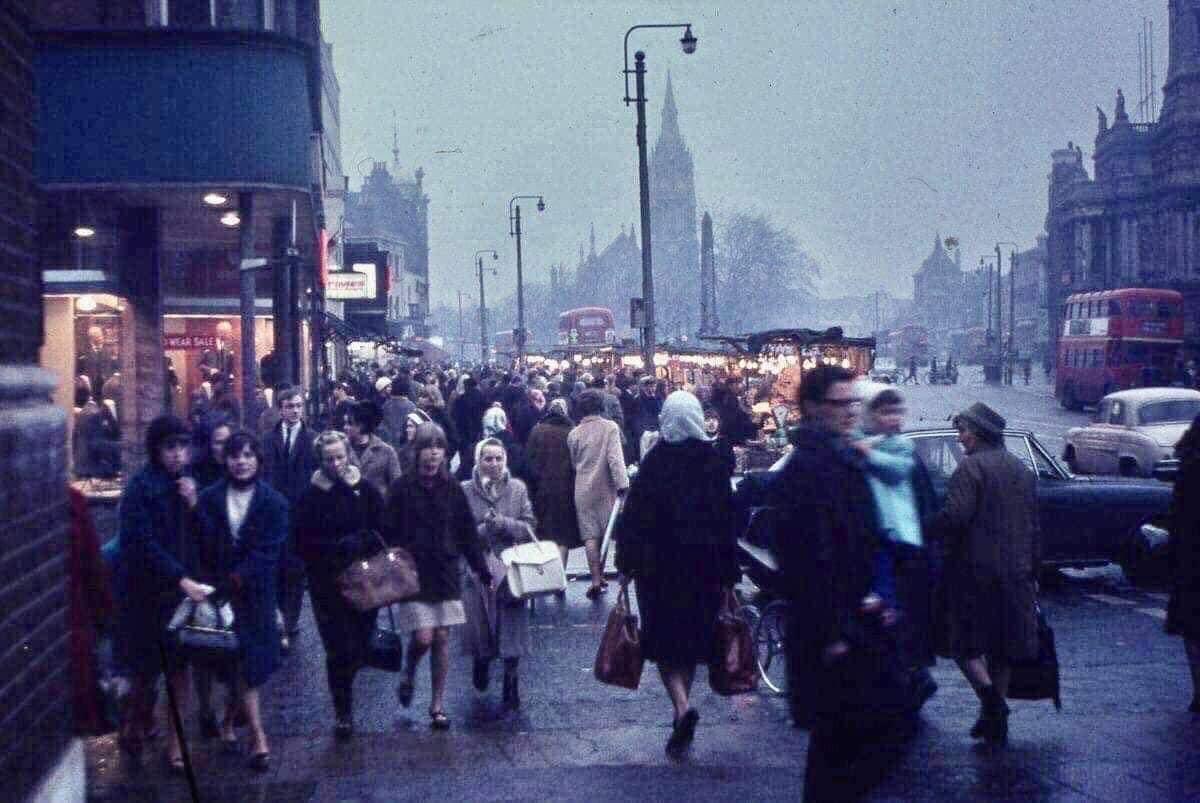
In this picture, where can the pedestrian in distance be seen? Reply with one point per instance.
(496, 424)
(1183, 608)
(395, 413)
(677, 542)
(157, 568)
(600, 478)
(242, 526)
(549, 457)
(989, 531)
(376, 460)
(912, 371)
(497, 621)
(335, 522)
(428, 514)
(289, 464)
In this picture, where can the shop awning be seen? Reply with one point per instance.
(340, 329)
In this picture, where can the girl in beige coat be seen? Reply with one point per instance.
(600, 478)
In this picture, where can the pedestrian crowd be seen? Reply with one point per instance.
(455, 469)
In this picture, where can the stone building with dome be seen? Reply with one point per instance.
(938, 287)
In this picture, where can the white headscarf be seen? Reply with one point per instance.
(682, 418)
(495, 421)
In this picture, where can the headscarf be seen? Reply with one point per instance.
(682, 418)
(495, 421)
(559, 406)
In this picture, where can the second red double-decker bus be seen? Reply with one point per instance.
(1117, 339)
(587, 326)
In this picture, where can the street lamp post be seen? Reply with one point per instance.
(483, 326)
(514, 230)
(999, 295)
(688, 43)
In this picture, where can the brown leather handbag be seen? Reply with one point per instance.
(734, 666)
(390, 575)
(619, 660)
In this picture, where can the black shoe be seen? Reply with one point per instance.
(682, 734)
(1195, 706)
(209, 727)
(595, 592)
(512, 697)
(994, 717)
(260, 762)
(343, 729)
(479, 674)
(404, 692)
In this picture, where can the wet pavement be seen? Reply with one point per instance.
(1123, 735)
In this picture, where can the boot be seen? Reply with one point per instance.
(479, 674)
(995, 717)
(512, 697)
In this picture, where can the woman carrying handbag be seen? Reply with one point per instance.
(335, 513)
(242, 526)
(497, 622)
(676, 539)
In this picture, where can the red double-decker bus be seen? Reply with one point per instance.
(587, 326)
(1117, 339)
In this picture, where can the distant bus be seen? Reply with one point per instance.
(587, 326)
(505, 343)
(908, 342)
(1117, 339)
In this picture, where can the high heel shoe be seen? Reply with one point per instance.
(261, 762)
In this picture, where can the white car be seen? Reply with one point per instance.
(1131, 431)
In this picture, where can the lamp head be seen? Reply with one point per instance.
(495, 256)
(688, 42)
(541, 206)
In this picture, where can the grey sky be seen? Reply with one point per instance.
(864, 127)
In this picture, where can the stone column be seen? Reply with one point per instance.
(142, 373)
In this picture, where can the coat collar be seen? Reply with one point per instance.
(220, 492)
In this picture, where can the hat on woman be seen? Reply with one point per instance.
(495, 421)
(984, 420)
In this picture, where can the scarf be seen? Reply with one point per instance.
(682, 419)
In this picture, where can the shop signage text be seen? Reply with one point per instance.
(347, 285)
(189, 342)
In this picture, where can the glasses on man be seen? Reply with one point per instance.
(843, 403)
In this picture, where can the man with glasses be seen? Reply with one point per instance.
(839, 634)
(290, 464)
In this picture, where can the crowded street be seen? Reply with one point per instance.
(573, 401)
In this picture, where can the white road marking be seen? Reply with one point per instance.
(1157, 613)
(1108, 599)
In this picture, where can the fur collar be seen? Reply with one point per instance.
(325, 484)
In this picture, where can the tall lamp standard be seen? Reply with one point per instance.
(1012, 286)
(514, 230)
(688, 43)
(483, 325)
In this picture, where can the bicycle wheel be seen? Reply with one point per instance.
(769, 647)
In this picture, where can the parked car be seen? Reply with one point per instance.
(1085, 520)
(1132, 431)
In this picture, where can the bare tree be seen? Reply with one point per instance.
(764, 277)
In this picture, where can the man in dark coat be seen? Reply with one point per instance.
(989, 531)
(96, 362)
(289, 466)
(828, 536)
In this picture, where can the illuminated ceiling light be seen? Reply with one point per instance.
(84, 232)
(230, 219)
(85, 304)
(215, 199)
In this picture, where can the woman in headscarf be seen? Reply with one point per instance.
(677, 541)
(495, 425)
(550, 458)
(497, 622)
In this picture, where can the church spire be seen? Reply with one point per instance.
(670, 116)
(395, 145)
(592, 240)
(937, 242)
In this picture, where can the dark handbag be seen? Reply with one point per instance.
(1038, 679)
(734, 666)
(203, 632)
(390, 575)
(386, 648)
(619, 660)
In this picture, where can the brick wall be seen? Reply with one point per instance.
(35, 716)
(20, 287)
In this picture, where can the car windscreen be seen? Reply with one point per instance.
(1168, 412)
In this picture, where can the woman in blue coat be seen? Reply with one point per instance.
(154, 572)
(242, 525)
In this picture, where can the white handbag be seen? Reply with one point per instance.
(534, 568)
